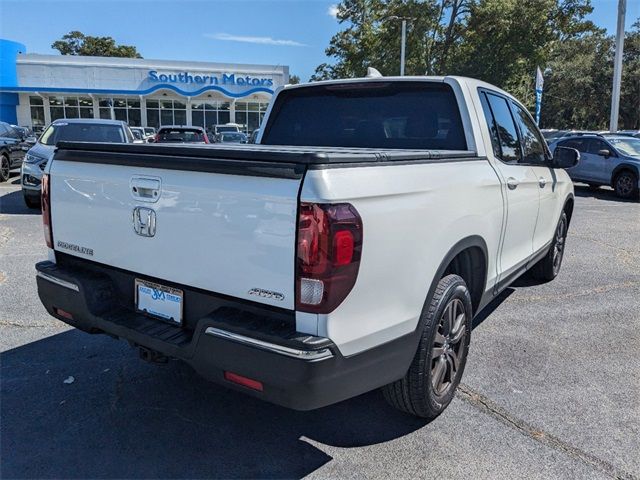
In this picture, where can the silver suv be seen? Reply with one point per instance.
(606, 160)
(68, 130)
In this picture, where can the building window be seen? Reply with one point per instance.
(209, 114)
(166, 112)
(37, 111)
(125, 109)
(70, 107)
(250, 114)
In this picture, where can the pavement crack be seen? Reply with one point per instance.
(486, 405)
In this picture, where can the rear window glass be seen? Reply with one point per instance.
(398, 115)
(180, 135)
(82, 132)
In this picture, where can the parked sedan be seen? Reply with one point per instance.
(606, 160)
(231, 137)
(12, 150)
(78, 130)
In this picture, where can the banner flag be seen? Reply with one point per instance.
(539, 87)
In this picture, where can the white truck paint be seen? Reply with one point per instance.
(235, 235)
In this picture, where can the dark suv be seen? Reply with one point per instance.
(12, 150)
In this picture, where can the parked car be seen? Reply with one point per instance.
(349, 251)
(630, 133)
(181, 134)
(606, 160)
(77, 129)
(226, 127)
(231, 137)
(254, 136)
(149, 132)
(139, 133)
(12, 149)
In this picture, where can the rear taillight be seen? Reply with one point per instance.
(45, 199)
(206, 138)
(328, 255)
(157, 137)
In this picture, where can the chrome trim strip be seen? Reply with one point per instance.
(271, 347)
(58, 281)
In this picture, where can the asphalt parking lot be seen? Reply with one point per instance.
(551, 389)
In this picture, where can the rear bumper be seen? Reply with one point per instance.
(296, 370)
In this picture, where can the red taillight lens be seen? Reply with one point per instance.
(244, 381)
(45, 200)
(328, 255)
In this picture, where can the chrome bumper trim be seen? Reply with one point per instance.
(271, 347)
(58, 281)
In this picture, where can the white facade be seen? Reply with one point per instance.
(143, 92)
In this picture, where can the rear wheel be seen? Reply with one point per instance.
(5, 167)
(431, 381)
(626, 185)
(548, 268)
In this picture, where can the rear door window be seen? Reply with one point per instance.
(394, 115)
(507, 133)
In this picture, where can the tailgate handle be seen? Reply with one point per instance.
(145, 189)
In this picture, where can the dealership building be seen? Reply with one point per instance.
(37, 89)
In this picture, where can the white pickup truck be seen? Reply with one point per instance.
(349, 250)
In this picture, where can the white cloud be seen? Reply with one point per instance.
(227, 37)
(333, 10)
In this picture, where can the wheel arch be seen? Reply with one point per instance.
(568, 207)
(622, 167)
(468, 258)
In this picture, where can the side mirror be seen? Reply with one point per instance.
(604, 153)
(565, 157)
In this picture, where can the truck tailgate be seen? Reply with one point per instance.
(232, 234)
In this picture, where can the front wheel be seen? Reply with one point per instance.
(431, 381)
(548, 268)
(5, 168)
(31, 202)
(626, 185)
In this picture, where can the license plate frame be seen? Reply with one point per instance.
(153, 307)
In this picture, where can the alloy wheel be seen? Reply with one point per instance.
(624, 185)
(4, 168)
(558, 245)
(448, 346)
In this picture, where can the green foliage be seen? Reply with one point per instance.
(499, 41)
(294, 79)
(77, 43)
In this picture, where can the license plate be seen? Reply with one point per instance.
(159, 301)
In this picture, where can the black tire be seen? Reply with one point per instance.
(5, 167)
(431, 381)
(548, 267)
(626, 185)
(31, 202)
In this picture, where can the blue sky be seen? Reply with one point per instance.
(289, 32)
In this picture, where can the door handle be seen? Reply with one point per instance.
(542, 182)
(512, 183)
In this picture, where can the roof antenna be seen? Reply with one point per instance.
(373, 73)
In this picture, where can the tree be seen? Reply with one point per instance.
(294, 79)
(77, 43)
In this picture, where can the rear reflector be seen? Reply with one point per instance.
(63, 313)
(244, 381)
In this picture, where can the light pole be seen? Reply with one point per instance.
(617, 67)
(403, 39)
(402, 46)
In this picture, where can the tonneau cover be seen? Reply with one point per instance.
(258, 153)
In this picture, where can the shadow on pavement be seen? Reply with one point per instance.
(601, 193)
(123, 418)
(13, 204)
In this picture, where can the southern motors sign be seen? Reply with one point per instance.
(224, 79)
